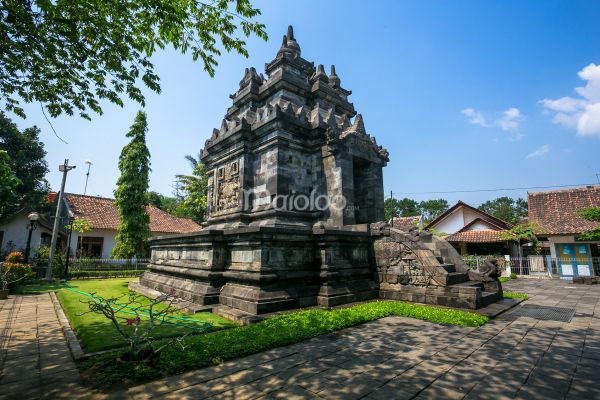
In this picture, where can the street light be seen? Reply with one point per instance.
(32, 217)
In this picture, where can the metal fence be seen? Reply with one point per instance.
(475, 262)
(534, 265)
(549, 266)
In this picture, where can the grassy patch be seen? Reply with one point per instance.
(503, 279)
(214, 348)
(513, 295)
(38, 287)
(95, 332)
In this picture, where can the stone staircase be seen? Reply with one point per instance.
(417, 266)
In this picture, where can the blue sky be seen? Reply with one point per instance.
(464, 95)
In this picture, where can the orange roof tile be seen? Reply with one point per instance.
(102, 214)
(556, 210)
(405, 223)
(480, 236)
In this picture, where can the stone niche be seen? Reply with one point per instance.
(295, 185)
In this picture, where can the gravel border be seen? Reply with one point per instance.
(72, 341)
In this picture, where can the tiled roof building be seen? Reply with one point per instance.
(103, 214)
(556, 211)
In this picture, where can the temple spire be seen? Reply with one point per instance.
(292, 45)
(333, 78)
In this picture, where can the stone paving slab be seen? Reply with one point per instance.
(35, 362)
(399, 358)
(393, 358)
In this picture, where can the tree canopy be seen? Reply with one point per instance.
(506, 209)
(27, 161)
(406, 207)
(8, 185)
(131, 196)
(69, 55)
(431, 209)
(591, 214)
(193, 190)
(169, 204)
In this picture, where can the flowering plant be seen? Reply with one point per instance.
(137, 330)
(13, 270)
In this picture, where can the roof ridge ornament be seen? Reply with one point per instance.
(359, 125)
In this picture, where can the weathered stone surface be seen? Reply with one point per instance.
(295, 204)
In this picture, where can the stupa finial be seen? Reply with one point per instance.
(333, 78)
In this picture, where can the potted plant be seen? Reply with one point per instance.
(13, 270)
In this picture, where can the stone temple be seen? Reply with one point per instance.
(295, 210)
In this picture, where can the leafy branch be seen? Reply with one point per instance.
(69, 55)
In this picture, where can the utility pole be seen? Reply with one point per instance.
(87, 175)
(392, 204)
(64, 168)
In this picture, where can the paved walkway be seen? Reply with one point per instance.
(540, 356)
(35, 361)
(399, 358)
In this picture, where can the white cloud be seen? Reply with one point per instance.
(474, 117)
(582, 113)
(510, 119)
(539, 152)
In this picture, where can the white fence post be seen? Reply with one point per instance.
(507, 269)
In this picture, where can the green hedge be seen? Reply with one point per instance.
(513, 295)
(106, 274)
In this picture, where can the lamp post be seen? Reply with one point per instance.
(32, 217)
(87, 175)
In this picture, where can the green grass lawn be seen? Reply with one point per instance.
(37, 287)
(96, 332)
(214, 348)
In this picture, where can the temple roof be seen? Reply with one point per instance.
(297, 91)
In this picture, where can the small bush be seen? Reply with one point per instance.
(14, 270)
(503, 279)
(513, 276)
(513, 295)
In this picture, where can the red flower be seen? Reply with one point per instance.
(132, 321)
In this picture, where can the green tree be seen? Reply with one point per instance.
(8, 185)
(169, 204)
(506, 209)
(591, 214)
(391, 208)
(193, 190)
(523, 232)
(408, 207)
(131, 196)
(155, 199)
(28, 163)
(71, 55)
(431, 209)
(400, 208)
(82, 226)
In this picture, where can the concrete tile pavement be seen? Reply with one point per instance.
(399, 358)
(35, 361)
(511, 357)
